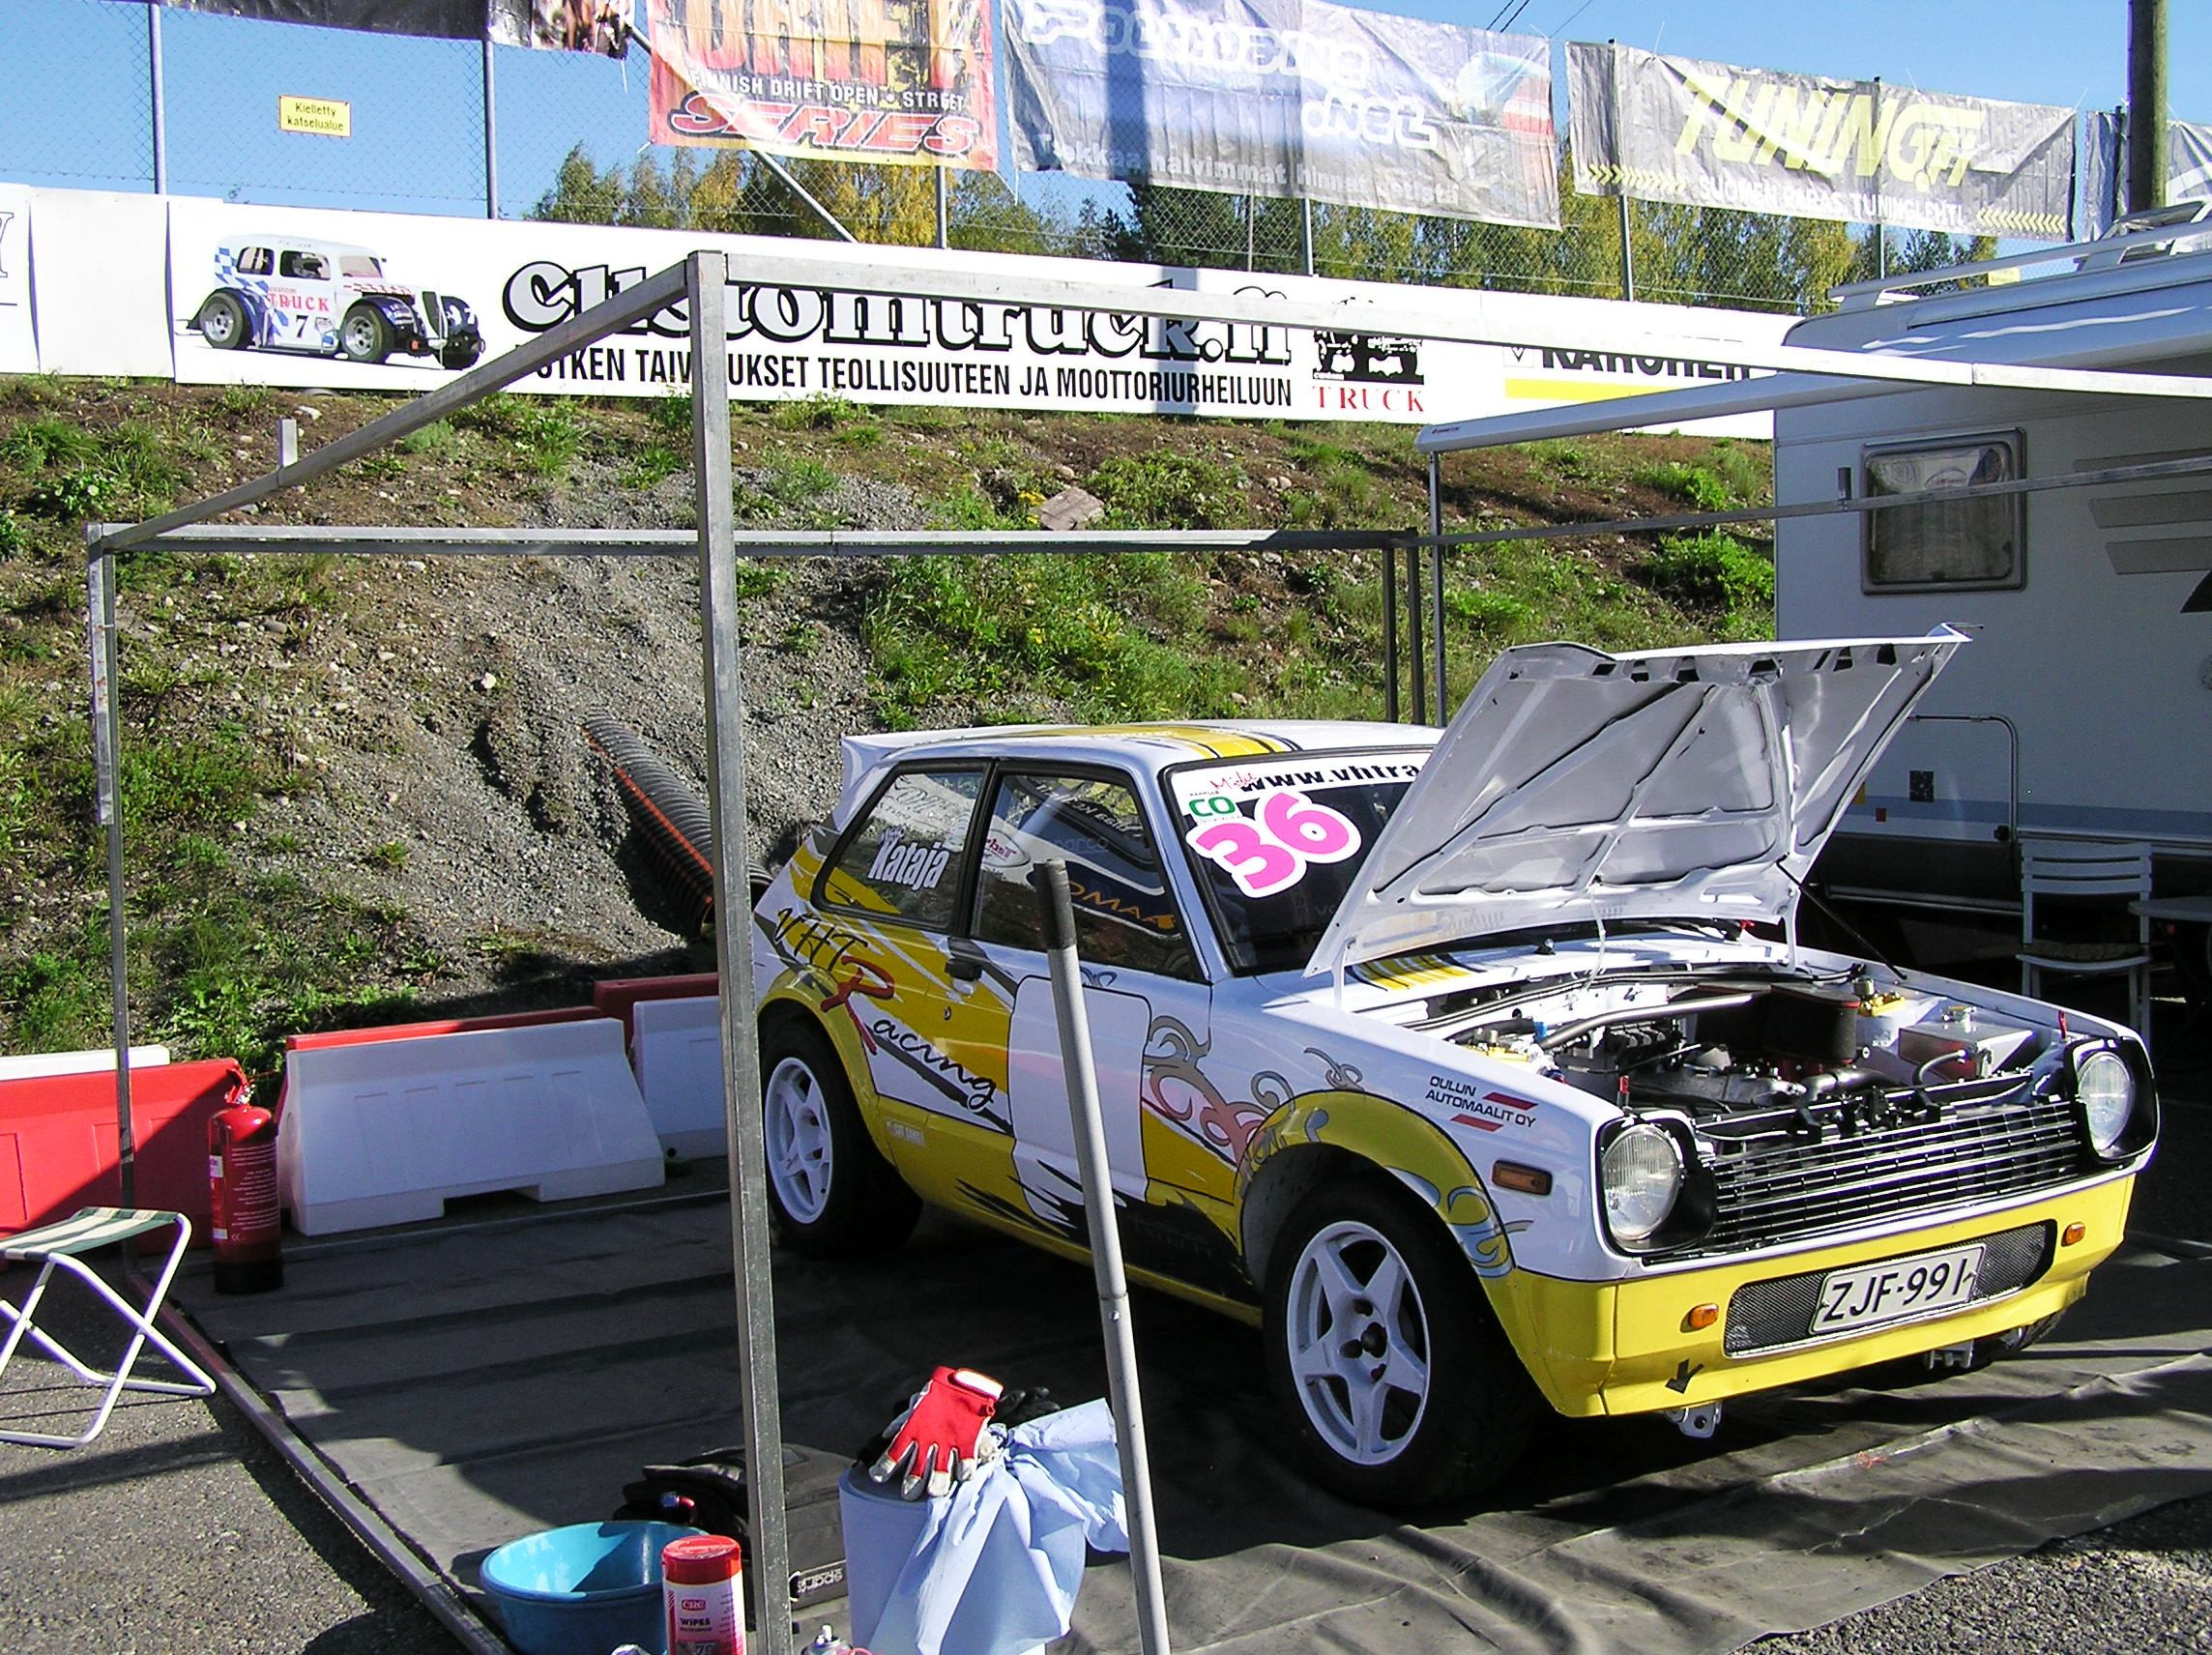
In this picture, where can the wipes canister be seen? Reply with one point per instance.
(702, 1595)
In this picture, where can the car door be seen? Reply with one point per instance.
(1143, 991)
(303, 301)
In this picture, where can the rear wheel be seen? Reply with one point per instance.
(1381, 1349)
(365, 335)
(223, 323)
(832, 1194)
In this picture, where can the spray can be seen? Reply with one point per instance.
(702, 1595)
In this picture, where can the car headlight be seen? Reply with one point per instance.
(1641, 1172)
(2106, 1090)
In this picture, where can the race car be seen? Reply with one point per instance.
(1484, 1069)
(330, 299)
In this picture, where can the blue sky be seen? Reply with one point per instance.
(74, 109)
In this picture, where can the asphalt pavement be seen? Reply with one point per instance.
(181, 1530)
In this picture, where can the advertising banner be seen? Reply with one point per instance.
(19, 340)
(2188, 161)
(600, 26)
(1710, 135)
(298, 277)
(442, 20)
(903, 82)
(1286, 97)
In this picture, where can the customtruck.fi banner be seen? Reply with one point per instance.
(1286, 97)
(1710, 135)
(877, 81)
(400, 303)
(570, 25)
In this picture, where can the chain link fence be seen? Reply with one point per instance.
(458, 128)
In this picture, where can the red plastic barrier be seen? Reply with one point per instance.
(58, 1142)
(437, 1026)
(616, 996)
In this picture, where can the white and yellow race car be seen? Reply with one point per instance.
(1483, 1069)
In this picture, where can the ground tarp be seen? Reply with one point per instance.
(507, 1374)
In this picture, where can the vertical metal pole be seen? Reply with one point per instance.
(1390, 633)
(2146, 104)
(1050, 880)
(759, 1399)
(1436, 582)
(99, 572)
(1413, 628)
(490, 137)
(1251, 229)
(287, 442)
(160, 100)
(1627, 243)
(944, 212)
(1305, 236)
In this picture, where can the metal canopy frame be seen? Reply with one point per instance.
(702, 285)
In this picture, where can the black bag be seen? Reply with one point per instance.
(708, 1491)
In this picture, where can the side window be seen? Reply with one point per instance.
(904, 863)
(302, 267)
(253, 261)
(1944, 545)
(1124, 913)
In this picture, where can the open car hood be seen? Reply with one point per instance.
(1675, 784)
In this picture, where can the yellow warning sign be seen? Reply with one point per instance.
(330, 117)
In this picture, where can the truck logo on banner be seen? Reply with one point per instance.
(1286, 97)
(903, 82)
(1710, 135)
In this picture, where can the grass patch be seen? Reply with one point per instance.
(1010, 635)
(1715, 573)
(1694, 485)
(1168, 490)
(655, 463)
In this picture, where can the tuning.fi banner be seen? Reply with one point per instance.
(1286, 97)
(1710, 135)
(905, 82)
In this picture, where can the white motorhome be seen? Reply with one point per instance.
(2083, 710)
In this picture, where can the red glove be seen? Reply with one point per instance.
(943, 1434)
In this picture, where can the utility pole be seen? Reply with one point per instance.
(2146, 104)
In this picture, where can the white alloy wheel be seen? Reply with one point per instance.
(799, 1148)
(1358, 1345)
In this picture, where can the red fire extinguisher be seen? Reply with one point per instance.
(242, 1177)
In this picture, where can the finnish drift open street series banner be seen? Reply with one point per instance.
(1710, 135)
(1286, 97)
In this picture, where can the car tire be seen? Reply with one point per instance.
(460, 357)
(365, 335)
(831, 1193)
(1405, 1398)
(224, 324)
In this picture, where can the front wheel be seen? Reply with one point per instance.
(1383, 1351)
(223, 323)
(365, 335)
(458, 354)
(831, 1193)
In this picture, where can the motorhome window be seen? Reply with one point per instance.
(1949, 543)
(1125, 913)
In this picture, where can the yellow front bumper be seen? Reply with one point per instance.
(1603, 1348)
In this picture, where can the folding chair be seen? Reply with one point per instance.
(60, 1245)
(2071, 870)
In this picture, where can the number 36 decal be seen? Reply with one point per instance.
(1271, 853)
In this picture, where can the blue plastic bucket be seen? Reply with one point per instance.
(582, 1589)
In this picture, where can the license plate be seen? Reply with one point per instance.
(1867, 1295)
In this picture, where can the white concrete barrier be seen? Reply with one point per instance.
(387, 1131)
(676, 1048)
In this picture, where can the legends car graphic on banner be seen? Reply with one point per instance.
(387, 302)
(1286, 97)
(906, 82)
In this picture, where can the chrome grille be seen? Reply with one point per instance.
(1771, 1186)
(1770, 1314)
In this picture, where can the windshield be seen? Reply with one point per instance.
(1277, 842)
